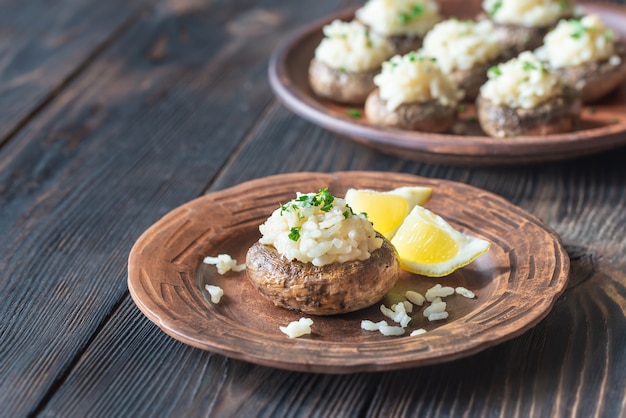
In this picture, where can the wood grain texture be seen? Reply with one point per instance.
(135, 136)
(44, 44)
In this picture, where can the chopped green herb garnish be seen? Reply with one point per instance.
(405, 18)
(354, 113)
(592, 110)
(614, 120)
(563, 4)
(323, 198)
(494, 9)
(294, 234)
(412, 55)
(527, 66)
(368, 41)
(609, 35)
(579, 30)
(461, 108)
(494, 71)
(472, 119)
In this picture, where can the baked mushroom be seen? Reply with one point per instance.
(318, 257)
(520, 25)
(523, 98)
(465, 50)
(413, 94)
(346, 61)
(586, 54)
(403, 22)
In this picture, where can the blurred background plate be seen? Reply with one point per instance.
(603, 125)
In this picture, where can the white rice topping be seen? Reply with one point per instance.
(216, 293)
(522, 82)
(350, 46)
(461, 44)
(418, 331)
(415, 78)
(320, 234)
(578, 41)
(464, 292)
(438, 292)
(529, 13)
(399, 17)
(298, 328)
(224, 263)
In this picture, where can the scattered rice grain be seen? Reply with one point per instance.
(216, 293)
(298, 328)
(415, 298)
(397, 313)
(437, 291)
(224, 263)
(437, 316)
(465, 292)
(437, 306)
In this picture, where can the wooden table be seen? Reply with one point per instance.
(112, 113)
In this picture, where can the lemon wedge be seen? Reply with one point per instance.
(387, 210)
(430, 246)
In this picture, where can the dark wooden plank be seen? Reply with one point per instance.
(132, 368)
(43, 44)
(143, 129)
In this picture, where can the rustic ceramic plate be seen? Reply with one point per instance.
(603, 125)
(516, 282)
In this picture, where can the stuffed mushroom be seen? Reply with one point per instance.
(520, 25)
(346, 61)
(523, 98)
(403, 22)
(465, 50)
(586, 54)
(318, 257)
(413, 94)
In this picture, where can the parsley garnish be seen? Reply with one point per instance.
(294, 234)
(354, 113)
(579, 29)
(406, 17)
(494, 9)
(494, 71)
(323, 199)
(527, 66)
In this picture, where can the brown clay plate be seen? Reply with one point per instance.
(516, 282)
(603, 125)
